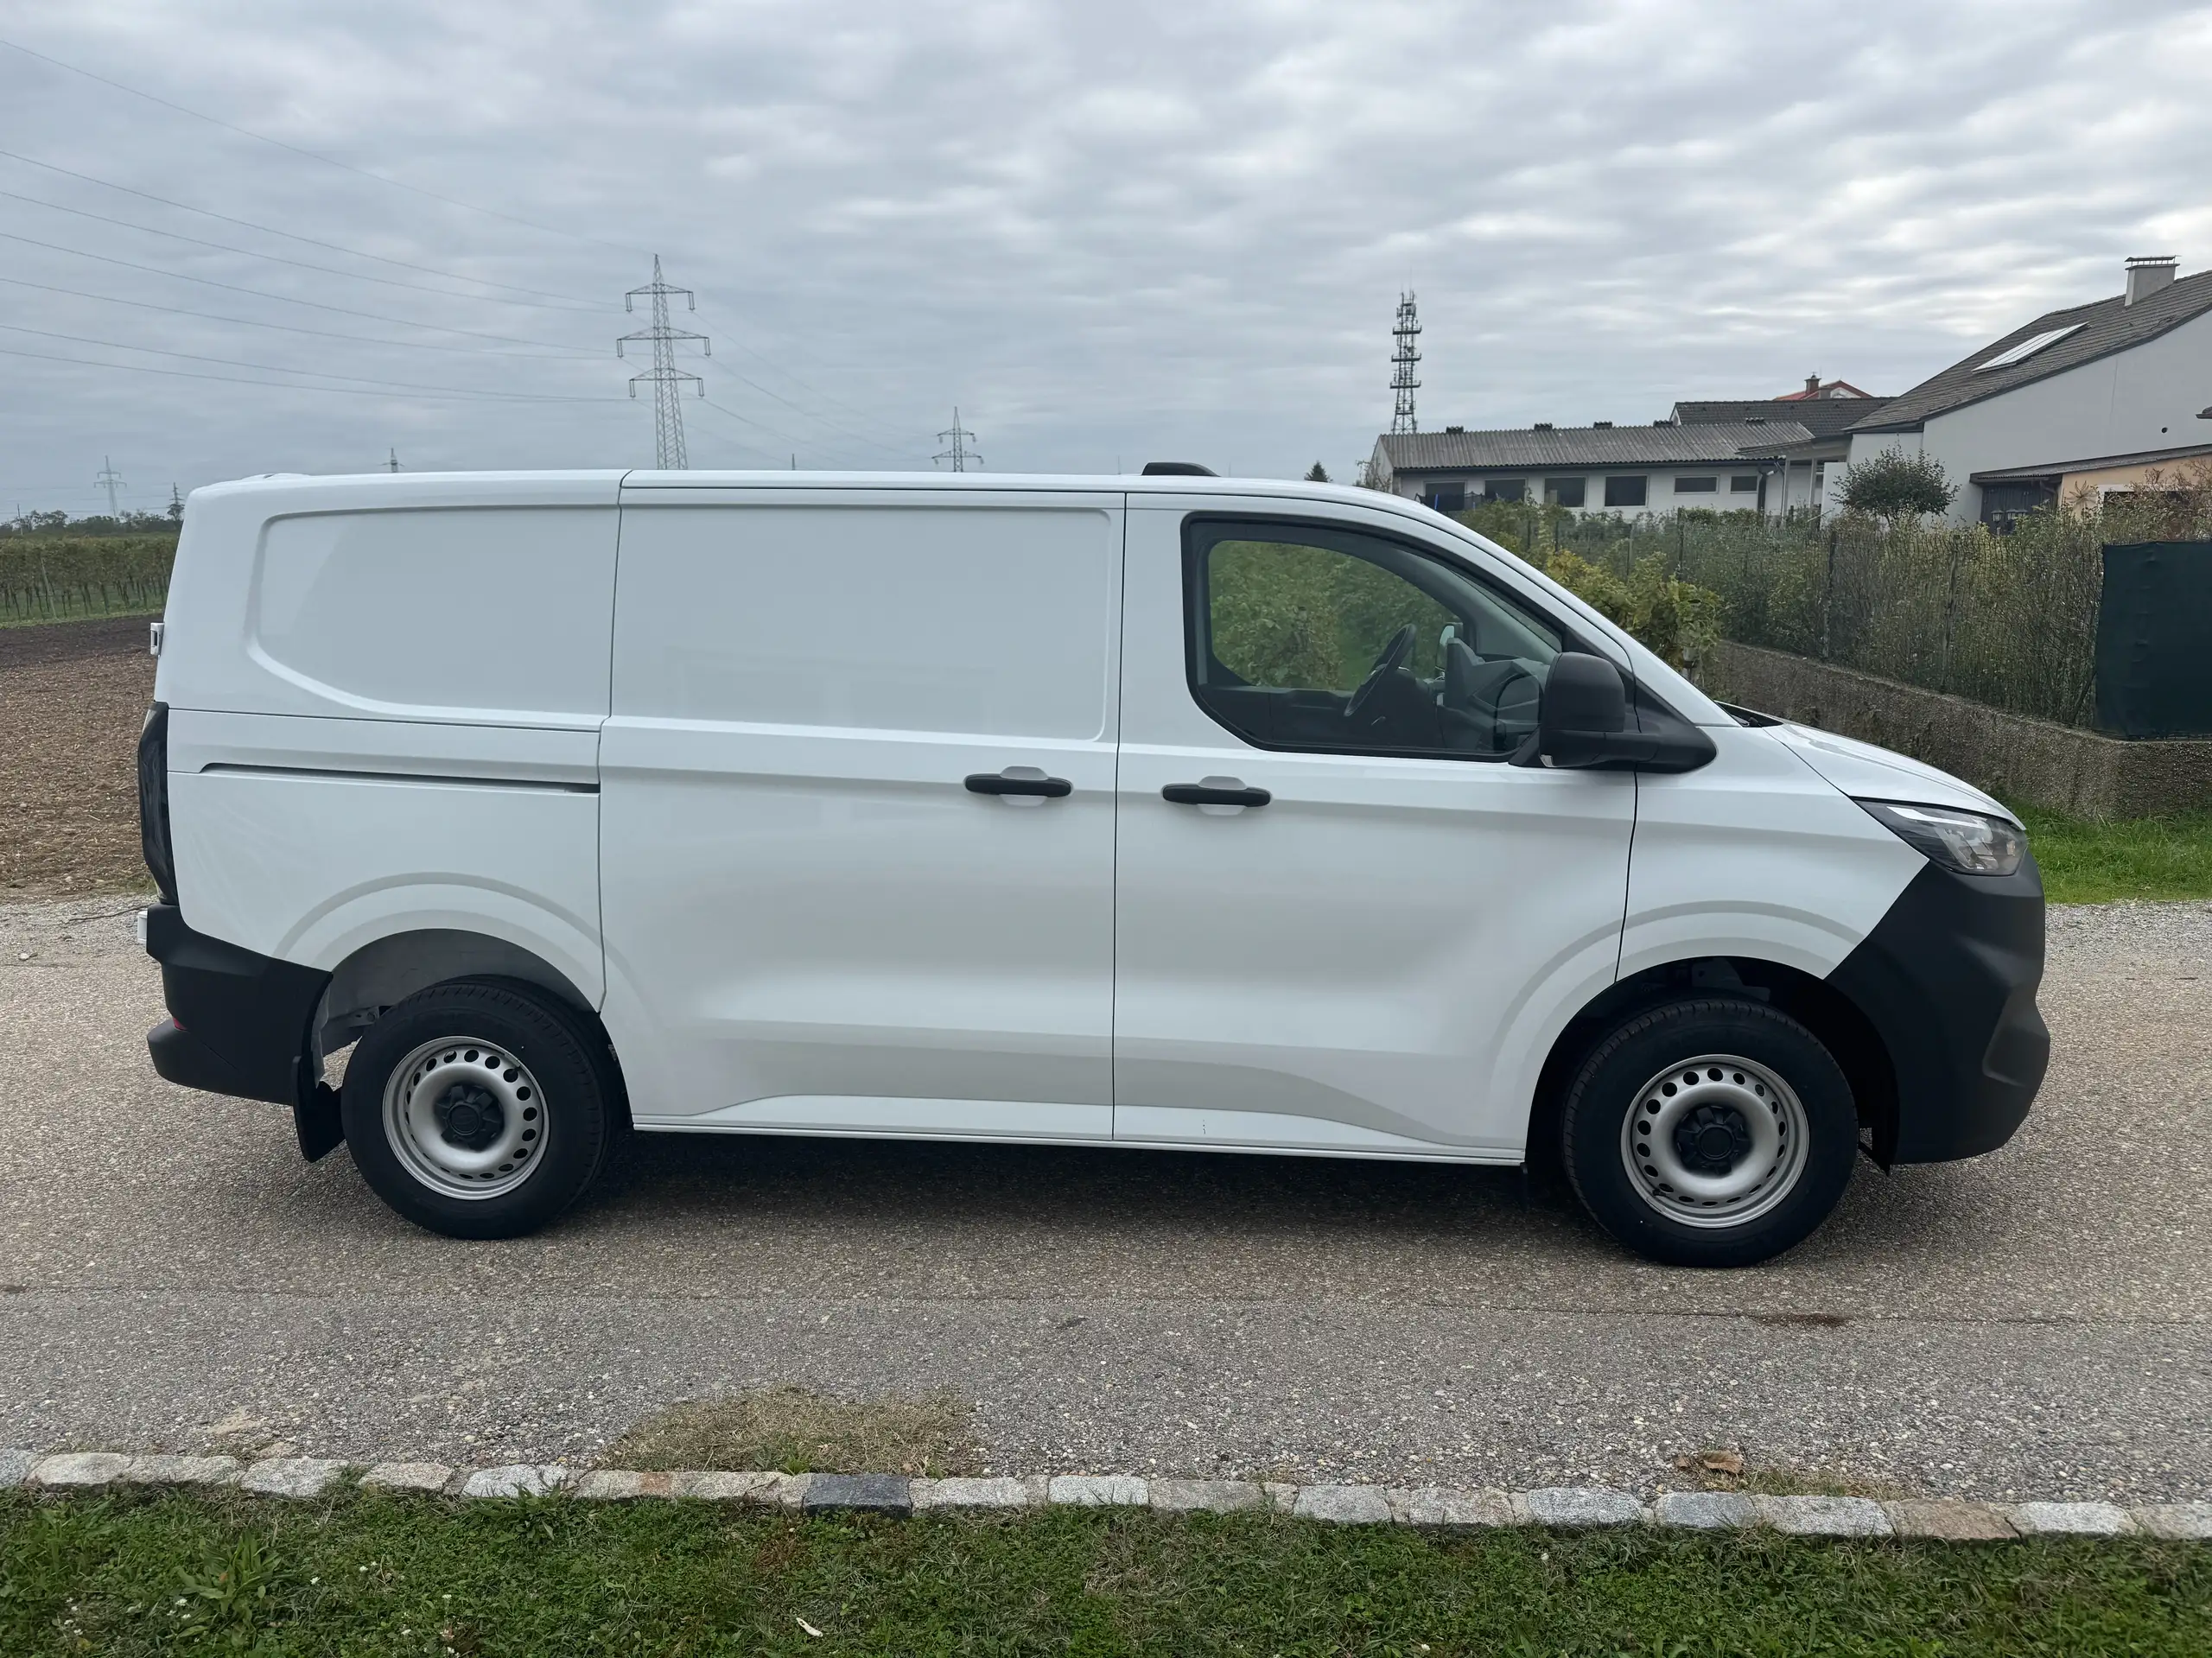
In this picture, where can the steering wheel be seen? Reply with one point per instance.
(1393, 658)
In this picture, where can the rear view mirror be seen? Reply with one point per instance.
(1584, 704)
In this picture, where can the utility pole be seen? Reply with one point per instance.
(393, 465)
(960, 454)
(111, 481)
(667, 379)
(1403, 360)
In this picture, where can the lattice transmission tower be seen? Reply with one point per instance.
(111, 481)
(1403, 360)
(665, 379)
(961, 456)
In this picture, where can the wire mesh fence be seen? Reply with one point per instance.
(2008, 620)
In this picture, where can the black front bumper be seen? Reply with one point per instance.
(1948, 980)
(239, 1023)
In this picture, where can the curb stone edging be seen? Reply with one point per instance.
(1563, 1506)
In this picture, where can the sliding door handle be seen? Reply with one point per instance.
(1021, 781)
(1214, 791)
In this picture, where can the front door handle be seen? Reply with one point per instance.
(1214, 791)
(1021, 781)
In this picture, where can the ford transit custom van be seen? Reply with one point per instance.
(1172, 811)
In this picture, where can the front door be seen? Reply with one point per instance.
(858, 810)
(1375, 958)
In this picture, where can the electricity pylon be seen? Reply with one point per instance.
(960, 454)
(667, 380)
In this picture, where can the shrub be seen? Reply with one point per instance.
(1896, 485)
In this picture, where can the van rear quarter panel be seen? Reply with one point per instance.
(384, 701)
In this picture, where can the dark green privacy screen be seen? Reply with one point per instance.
(2154, 640)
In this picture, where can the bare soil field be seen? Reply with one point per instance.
(73, 696)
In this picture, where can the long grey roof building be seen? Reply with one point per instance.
(1628, 469)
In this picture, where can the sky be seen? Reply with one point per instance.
(251, 236)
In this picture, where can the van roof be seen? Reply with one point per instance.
(289, 492)
(507, 485)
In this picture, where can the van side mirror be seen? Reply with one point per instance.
(1582, 721)
(1584, 703)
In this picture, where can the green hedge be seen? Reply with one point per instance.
(2006, 619)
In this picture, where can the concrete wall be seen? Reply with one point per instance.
(2145, 397)
(2021, 759)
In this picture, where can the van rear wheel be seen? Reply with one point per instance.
(481, 1108)
(1710, 1133)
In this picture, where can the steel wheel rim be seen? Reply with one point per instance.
(466, 1117)
(1700, 1114)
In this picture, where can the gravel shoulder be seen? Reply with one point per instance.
(2030, 1323)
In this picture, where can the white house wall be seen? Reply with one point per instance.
(1659, 493)
(2145, 397)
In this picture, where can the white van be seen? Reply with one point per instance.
(1172, 811)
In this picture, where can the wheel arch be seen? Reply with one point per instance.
(1840, 1024)
(388, 970)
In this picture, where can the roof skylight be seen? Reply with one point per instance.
(2030, 347)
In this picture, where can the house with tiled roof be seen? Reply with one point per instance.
(1635, 470)
(1827, 409)
(2091, 397)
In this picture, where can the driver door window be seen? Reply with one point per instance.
(1320, 637)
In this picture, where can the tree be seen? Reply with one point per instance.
(1316, 473)
(1894, 485)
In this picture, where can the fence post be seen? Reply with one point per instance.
(1950, 608)
(1828, 598)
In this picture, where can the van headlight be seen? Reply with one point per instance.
(1969, 843)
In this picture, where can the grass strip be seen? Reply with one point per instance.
(2088, 860)
(370, 1573)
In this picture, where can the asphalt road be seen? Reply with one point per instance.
(2032, 1324)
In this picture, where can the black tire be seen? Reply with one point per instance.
(571, 1109)
(1731, 1126)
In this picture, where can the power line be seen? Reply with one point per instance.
(294, 236)
(665, 379)
(734, 414)
(960, 454)
(278, 368)
(312, 156)
(232, 379)
(278, 258)
(820, 420)
(287, 299)
(835, 402)
(564, 354)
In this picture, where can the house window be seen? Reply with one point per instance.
(2004, 505)
(1564, 492)
(1449, 497)
(1504, 489)
(1624, 492)
(1696, 486)
(1744, 483)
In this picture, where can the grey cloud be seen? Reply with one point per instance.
(1104, 232)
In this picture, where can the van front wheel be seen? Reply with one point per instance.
(1711, 1133)
(482, 1109)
